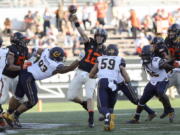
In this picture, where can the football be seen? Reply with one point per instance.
(72, 9)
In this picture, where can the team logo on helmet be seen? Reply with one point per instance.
(57, 54)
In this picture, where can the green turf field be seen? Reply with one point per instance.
(70, 119)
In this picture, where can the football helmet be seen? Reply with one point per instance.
(157, 40)
(102, 33)
(173, 30)
(159, 49)
(57, 54)
(112, 50)
(19, 39)
(146, 54)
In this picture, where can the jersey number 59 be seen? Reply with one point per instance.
(108, 63)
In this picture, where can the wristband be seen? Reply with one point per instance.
(77, 24)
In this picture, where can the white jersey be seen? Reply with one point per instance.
(3, 59)
(156, 74)
(108, 67)
(44, 67)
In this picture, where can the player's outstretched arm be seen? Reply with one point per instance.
(125, 74)
(10, 63)
(93, 72)
(164, 64)
(73, 19)
(64, 69)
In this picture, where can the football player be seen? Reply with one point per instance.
(107, 69)
(130, 93)
(49, 64)
(93, 48)
(160, 50)
(18, 53)
(156, 68)
(171, 51)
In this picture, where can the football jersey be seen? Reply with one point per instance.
(155, 73)
(108, 67)
(44, 67)
(91, 54)
(174, 48)
(19, 57)
(3, 59)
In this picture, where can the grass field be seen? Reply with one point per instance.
(70, 119)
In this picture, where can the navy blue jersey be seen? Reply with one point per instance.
(20, 56)
(91, 53)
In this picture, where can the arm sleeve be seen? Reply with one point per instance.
(123, 62)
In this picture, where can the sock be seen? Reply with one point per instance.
(107, 115)
(91, 114)
(16, 114)
(138, 112)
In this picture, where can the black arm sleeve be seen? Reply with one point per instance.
(163, 64)
(123, 62)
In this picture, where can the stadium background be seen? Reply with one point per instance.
(58, 118)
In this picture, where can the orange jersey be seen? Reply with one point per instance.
(101, 8)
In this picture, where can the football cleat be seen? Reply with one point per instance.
(17, 123)
(91, 122)
(109, 123)
(171, 116)
(151, 117)
(133, 121)
(9, 118)
(163, 115)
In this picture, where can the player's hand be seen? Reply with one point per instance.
(26, 65)
(73, 18)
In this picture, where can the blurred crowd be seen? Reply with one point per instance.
(24, 3)
(46, 33)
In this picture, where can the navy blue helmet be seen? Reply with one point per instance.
(57, 54)
(173, 30)
(147, 54)
(157, 40)
(112, 50)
